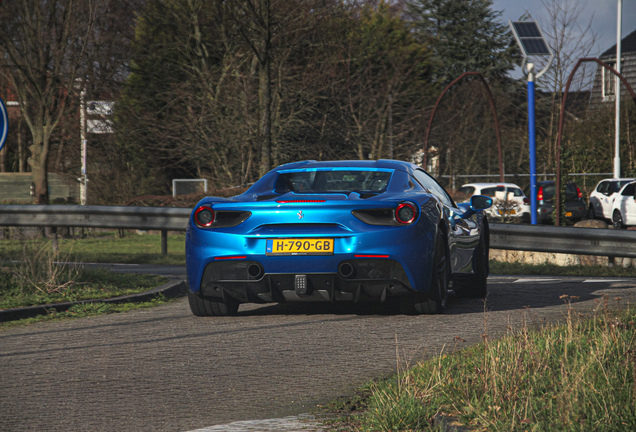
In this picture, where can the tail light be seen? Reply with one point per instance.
(540, 194)
(526, 200)
(204, 216)
(405, 213)
(578, 191)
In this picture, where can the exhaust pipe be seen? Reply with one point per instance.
(255, 271)
(345, 270)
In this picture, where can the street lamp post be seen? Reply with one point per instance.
(532, 43)
(532, 145)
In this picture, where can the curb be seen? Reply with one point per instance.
(174, 288)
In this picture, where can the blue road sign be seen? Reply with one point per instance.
(4, 123)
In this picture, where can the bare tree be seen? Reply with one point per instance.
(43, 51)
(200, 101)
(570, 39)
(257, 24)
(384, 80)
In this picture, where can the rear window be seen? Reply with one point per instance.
(571, 192)
(516, 192)
(333, 181)
(490, 191)
(549, 191)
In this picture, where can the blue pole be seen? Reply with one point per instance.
(532, 147)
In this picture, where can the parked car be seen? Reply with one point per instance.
(624, 207)
(575, 206)
(508, 199)
(347, 231)
(601, 199)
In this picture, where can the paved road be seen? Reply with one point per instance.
(163, 369)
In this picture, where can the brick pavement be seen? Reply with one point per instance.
(163, 369)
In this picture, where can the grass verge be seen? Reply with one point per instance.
(107, 248)
(36, 274)
(518, 268)
(87, 310)
(579, 376)
(84, 285)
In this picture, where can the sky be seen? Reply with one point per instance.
(603, 13)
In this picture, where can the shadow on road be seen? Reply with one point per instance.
(506, 294)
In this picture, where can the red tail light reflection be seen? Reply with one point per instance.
(299, 201)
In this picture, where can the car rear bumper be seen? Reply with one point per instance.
(409, 248)
(573, 210)
(356, 280)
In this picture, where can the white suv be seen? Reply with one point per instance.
(624, 207)
(509, 201)
(603, 196)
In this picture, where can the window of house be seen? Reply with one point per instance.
(609, 82)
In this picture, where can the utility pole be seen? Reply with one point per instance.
(617, 92)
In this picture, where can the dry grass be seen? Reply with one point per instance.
(578, 376)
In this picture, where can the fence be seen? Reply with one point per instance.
(536, 238)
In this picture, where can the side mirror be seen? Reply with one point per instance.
(477, 203)
(480, 202)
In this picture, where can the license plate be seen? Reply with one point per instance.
(300, 246)
(568, 214)
(501, 212)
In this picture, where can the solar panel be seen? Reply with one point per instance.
(530, 38)
(535, 46)
(527, 28)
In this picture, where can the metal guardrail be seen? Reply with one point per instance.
(117, 217)
(125, 217)
(567, 240)
(535, 238)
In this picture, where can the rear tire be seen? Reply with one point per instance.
(210, 306)
(591, 214)
(436, 300)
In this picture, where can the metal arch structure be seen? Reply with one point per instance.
(561, 116)
(494, 112)
(4, 122)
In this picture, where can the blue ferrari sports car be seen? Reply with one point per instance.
(342, 231)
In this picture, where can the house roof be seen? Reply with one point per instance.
(628, 45)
